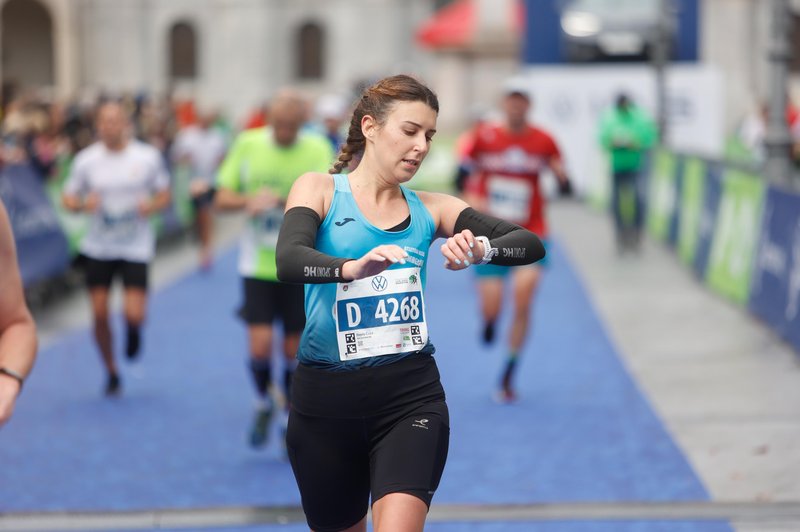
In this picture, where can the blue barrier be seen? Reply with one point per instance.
(712, 194)
(775, 290)
(674, 220)
(42, 247)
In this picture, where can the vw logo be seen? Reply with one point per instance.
(379, 283)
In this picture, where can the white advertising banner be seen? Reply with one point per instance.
(569, 101)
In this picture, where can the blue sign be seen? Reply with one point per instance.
(42, 248)
(545, 41)
(708, 217)
(675, 215)
(775, 287)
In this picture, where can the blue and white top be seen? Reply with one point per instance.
(376, 320)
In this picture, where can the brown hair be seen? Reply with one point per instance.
(377, 101)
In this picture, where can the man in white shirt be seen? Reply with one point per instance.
(119, 182)
(201, 147)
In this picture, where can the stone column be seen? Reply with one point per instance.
(64, 16)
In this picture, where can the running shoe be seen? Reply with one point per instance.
(488, 332)
(113, 385)
(505, 396)
(133, 344)
(260, 429)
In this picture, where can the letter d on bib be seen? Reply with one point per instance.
(353, 314)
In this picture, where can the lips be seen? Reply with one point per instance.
(412, 162)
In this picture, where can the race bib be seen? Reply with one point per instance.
(267, 227)
(508, 198)
(381, 315)
(120, 221)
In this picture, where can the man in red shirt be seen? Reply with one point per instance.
(508, 158)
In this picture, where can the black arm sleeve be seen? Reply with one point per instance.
(515, 245)
(296, 258)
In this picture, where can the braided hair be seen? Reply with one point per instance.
(377, 101)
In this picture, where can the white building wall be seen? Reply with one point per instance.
(735, 38)
(245, 47)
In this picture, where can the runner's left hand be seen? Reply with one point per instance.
(565, 188)
(461, 250)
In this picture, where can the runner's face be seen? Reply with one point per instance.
(286, 123)
(403, 141)
(516, 108)
(111, 125)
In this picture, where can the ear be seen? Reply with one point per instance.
(368, 126)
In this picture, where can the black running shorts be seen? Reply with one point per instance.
(264, 301)
(372, 431)
(100, 273)
(204, 199)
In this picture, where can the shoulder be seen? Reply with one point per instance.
(537, 132)
(538, 135)
(249, 136)
(313, 190)
(315, 179)
(88, 154)
(438, 202)
(144, 150)
(314, 184)
(489, 132)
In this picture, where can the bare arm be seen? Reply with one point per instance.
(557, 166)
(228, 200)
(157, 203)
(76, 203)
(17, 329)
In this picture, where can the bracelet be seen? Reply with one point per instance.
(488, 251)
(14, 375)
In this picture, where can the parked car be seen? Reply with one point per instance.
(594, 30)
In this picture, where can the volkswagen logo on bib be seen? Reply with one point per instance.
(379, 283)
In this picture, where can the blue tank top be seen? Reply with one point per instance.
(373, 321)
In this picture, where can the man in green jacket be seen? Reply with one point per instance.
(627, 132)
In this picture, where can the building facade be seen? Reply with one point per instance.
(228, 53)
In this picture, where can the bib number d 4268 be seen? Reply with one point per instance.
(381, 315)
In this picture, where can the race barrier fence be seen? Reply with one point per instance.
(737, 232)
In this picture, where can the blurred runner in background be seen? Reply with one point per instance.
(120, 182)
(256, 176)
(508, 158)
(201, 148)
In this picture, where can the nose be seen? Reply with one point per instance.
(421, 143)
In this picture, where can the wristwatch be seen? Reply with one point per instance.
(488, 251)
(14, 375)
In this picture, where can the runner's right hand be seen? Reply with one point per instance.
(91, 202)
(261, 202)
(374, 262)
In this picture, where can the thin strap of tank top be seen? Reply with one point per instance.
(341, 183)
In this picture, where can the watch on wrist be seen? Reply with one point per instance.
(488, 251)
(14, 375)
